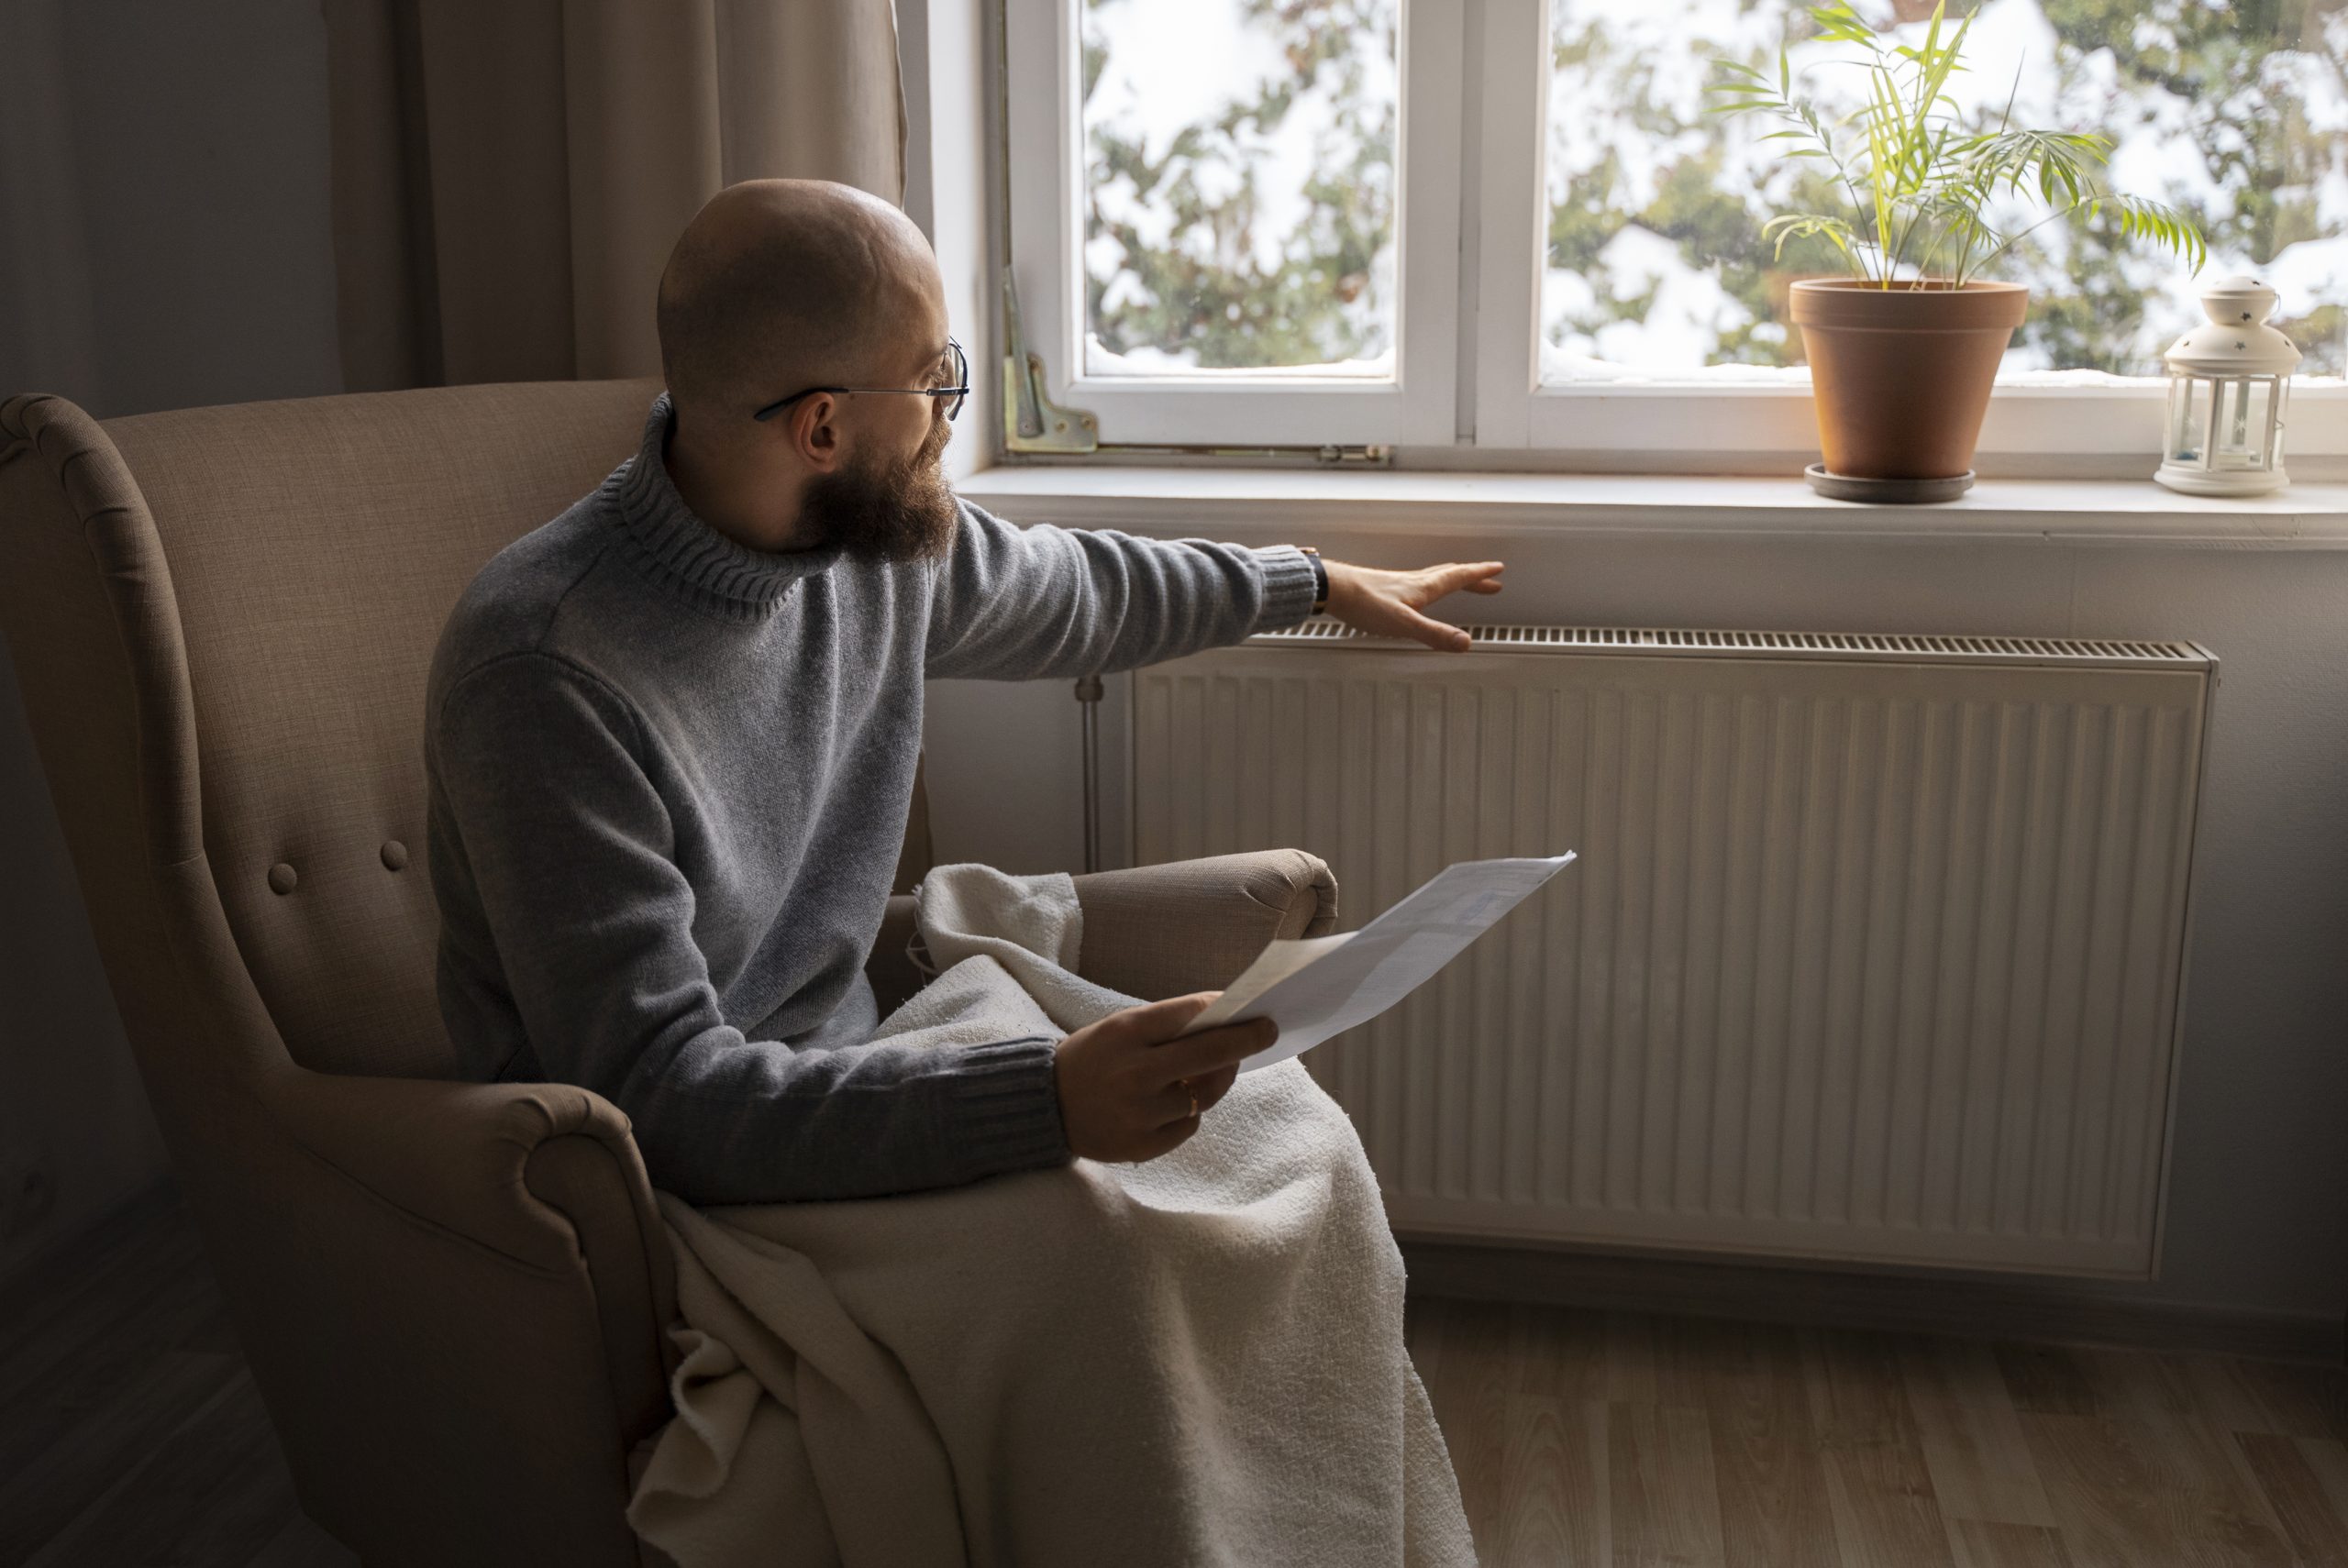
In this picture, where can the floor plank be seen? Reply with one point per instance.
(1560, 1353)
(41, 1291)
(129, 1429)
(2129, 1492)
(214, 1492)
(1664, 1504)
(99, 1333)
(1469, 1380)
(2212, 1485)
(2244, 1396)
(1973, 1451)
(1627, 1372)
(46, 1493)
(2046, 1380)
(131, 1434)
(1555, 1503)
(1984, 1543)
(1766, 1460)
(2305, 1482)
(1881, 1493)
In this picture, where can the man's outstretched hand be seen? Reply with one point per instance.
(1120, 1080)
(1387, 604)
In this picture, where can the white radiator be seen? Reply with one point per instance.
(1875, 949)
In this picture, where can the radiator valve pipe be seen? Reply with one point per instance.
(1088, 695)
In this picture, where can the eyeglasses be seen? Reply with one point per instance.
(958, 391)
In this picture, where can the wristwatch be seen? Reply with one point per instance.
(1320, 579)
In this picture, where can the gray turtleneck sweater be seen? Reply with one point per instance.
(667, 777)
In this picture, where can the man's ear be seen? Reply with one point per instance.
(814, 431)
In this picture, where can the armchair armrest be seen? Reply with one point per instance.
(1160, 931)
(545, 1174)
(1192, 925)
(455, 1154)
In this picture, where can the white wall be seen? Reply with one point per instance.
(2258, 1193)
(164, 241)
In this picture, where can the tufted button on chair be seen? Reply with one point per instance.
(452, 1294)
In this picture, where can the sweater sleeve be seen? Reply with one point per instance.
(1015, 604)
(558, 835)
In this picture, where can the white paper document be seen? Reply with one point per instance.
(1326, 985)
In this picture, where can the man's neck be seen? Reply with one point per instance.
(732, 498)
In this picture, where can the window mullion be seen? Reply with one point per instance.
(1513, 78)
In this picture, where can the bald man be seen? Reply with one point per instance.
(671, 737)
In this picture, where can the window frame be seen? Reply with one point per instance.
(2026, 426)
(1467, 370)
(1045, 175)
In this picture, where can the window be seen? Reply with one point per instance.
(1239, 195)
(1236, 222)
(1241, 221)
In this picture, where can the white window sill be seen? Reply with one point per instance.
(1271, 504)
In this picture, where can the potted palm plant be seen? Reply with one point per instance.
(1904, 350)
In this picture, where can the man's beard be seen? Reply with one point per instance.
(877, 510)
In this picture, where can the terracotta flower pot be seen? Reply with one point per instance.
(1900, 376)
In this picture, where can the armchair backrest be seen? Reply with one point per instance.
(311, 550)
(223, 618)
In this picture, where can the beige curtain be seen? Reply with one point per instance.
(509, 174)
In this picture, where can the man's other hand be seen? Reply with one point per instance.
(1387, 604)
(1120, 1080)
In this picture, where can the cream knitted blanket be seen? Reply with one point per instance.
(1194, 1360)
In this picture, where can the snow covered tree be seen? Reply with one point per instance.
(1250, 220)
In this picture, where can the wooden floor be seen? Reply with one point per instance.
(131, 1436)
(1601, 1438)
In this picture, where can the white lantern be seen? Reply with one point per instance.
(2228, 383)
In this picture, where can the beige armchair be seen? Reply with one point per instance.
(452, 1294)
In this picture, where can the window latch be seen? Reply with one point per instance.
(1032, 422)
